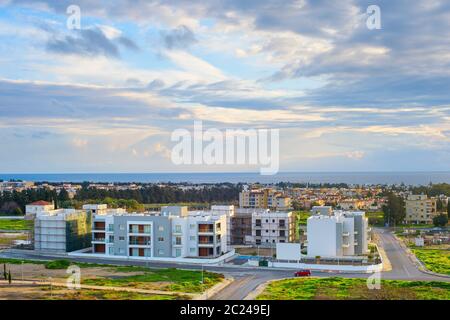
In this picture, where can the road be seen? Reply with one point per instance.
(247, 279)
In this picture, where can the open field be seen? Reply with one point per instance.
(15, 225)
(435, 260)
(160, 279)
(354, 289)
(37, 292)
(173, 280)
(7, 239)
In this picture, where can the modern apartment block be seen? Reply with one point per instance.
(420, 209)
(171, 233)
(269, 228)
(264, 199)
(342, 233)
(61, 230)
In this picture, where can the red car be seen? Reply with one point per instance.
(303, 273)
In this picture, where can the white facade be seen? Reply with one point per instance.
(38, 208)
(340, 234)
(288, 251)
(270, 228)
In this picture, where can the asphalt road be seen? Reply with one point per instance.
(248, 279)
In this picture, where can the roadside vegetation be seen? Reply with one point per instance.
(435, 260)
(335, 288)
(15, 225)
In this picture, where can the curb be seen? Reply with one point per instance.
(215, 289)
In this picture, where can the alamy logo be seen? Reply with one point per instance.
(374, 281)
(374, 17)
(259, 147)
(73, 282)
(74, 19)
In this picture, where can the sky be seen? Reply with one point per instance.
(107, 97)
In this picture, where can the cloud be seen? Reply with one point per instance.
(89, 42)
(79, 143)
(179, 38)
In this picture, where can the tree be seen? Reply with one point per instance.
(394, 210)
(440, 220)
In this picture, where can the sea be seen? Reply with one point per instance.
(360, 178)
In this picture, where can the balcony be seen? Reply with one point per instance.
(345, 234)
(98, 239)
(140, 243)
(100, 226)
(139, 229)
(205, 228)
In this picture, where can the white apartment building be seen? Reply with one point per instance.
(37, 208)
(171, 233)
(270, 228)
(343, 233)
(420, 209)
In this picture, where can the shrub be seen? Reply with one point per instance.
(58, 264)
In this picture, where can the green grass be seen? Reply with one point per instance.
(435, 260)
(335, 288)
(177, 280)
(15, 225)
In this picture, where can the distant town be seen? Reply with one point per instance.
(324, 228)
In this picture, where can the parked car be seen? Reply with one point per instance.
(303, 273)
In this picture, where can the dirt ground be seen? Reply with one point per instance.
(266, 252)
(7, 238)
(38, 271)
(20, 292)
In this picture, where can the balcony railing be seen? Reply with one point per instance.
(140, 243)
(98, 239)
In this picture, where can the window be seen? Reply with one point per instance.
(160, 252)
(192, 226)
(258, 233)
(273, 241)
(267, 231)
(258, 241)
(178, 228)
(192, 250)
(178, 241)
(161, 239)
(160, 228)
(273, 220)
(267, 220)
(121, 251)
(282, 233)
(177, 253)
(121, 227)
(258, 222)
(192, 238)
(121, 238)
(267, 240)
(111, 239)
(111, 250)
